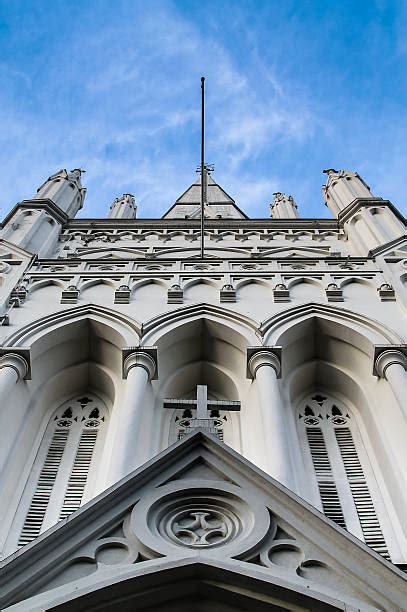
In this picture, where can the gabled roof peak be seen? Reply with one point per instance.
(219, 203)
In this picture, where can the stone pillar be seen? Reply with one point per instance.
(139, 368)
(283, 207)
(264, 365)
(13, 367)
(342, 188)
(391, 364)
(123, 207)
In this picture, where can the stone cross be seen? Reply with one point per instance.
(203, 407)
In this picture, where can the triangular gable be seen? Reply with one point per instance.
(199, 505)
(220, 203)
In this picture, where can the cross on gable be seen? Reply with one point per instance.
(203, 408)
(202, 405)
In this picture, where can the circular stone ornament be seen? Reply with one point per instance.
(210, 516)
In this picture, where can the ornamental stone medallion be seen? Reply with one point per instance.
(191, 519)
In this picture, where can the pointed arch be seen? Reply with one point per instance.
(197, 281)
(46, 283)
(272, 328)
(311, 280)
(97, 281)
(158, 325)
(125, 330)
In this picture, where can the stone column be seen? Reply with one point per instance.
(264, 365)
(391, 364)
(13, 367)
(139, 368)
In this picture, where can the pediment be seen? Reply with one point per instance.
(200, 510)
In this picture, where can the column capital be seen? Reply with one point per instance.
(258, 356)
(18, 359)
(386, 355)
(140, 356)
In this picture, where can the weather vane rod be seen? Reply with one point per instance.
(203, 169)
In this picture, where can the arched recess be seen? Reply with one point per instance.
(253, 290)
(206, 345)
(76, 351)
(329, 351)
(305, 288)
(199, 289)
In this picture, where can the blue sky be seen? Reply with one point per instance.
(293, 87)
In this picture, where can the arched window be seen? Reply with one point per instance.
(332, 442)
(59, 479)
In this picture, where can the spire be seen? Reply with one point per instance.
(123, 208)
(283, 206)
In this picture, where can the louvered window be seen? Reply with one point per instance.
(342, 484)
(61, 473)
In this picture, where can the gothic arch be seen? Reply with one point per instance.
(252, 281)
(197, 281)
(125, 331)
(155, 327)
(45, 283)
(97, 281)
(272, 328)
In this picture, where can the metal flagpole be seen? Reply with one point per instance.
(203, 169)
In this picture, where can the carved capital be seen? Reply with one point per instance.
(258, 357)
(18, 360)
(385, 356)
(141, 357)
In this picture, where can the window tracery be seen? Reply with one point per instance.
(59, 478)
(181, 422)
(331, 437)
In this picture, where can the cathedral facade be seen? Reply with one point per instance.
(222, 432)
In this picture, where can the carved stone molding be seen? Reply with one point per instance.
(192, 518)
(263, 356)
(18, 359)
(140, 356)
(387, 355)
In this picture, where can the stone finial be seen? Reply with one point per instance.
(123, 207)
(65, 190)
(342, 188)
(283, 206)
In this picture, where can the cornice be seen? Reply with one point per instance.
(48, 205)
(277, 224)
(359, 203)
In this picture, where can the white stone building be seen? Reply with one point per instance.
(187, 433)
